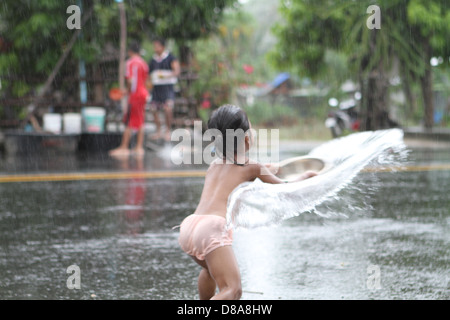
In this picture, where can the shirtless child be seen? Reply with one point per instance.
(203, 234)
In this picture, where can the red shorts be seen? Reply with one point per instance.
(135, 115)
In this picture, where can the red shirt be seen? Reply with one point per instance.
(137, 73)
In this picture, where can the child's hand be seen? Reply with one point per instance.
(273, 167)
(308, 174)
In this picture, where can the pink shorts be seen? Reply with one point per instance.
(201, 234)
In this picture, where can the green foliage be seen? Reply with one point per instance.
(8, 61)
(337, 68)
(32, 34)
(220, 59)
(311, 27)
(408, 27)
(432, 18)
(38, 34)
(179, 20)
(268, 115)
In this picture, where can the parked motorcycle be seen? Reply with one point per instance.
(343, 117)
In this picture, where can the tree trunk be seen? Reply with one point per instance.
(98, 85)
(426, 82)
(407, 80)
(122, 54)
(374, 89)
(185, 56)
(410, 99)
(376, 101)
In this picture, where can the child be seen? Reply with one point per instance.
(203, 234)
(136, 76)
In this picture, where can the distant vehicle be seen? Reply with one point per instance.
(343, 117)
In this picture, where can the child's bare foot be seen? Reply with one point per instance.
(138, 151)
(119, 152)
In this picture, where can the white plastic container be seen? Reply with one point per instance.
(52, 122)
(93, 119)
(72, 123)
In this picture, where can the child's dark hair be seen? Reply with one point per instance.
(134, 46)
(228, 117)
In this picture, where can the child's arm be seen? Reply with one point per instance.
(265, 174)
(306, 175)
(273, 167)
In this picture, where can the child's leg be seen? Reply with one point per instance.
(126, 138)
(123, 148)
(223, 268)
(139, 149)
(206, 285)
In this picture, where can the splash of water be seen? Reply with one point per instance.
(255, 204)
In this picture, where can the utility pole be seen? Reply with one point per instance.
(122, 53)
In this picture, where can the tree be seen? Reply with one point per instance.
(225, 53)
(430, 21)
(182, 21)
(314, 26)
(36, 34)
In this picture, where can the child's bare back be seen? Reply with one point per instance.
(222, 178)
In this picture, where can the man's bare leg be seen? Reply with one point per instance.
(156, 135)
(168, 113)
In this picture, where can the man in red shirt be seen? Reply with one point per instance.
(136, 76)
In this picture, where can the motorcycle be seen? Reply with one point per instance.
(344, 118)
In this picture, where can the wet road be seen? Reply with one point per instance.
(118, 231)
